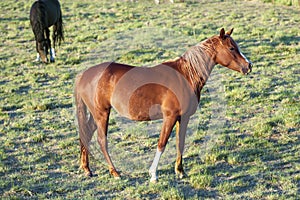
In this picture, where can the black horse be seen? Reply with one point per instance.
(44, 14)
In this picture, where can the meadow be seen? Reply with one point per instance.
(242, 143)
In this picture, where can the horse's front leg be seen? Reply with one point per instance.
(167, 127)
(38, 57)
(181, 126)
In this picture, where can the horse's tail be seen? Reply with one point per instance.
(37, 17)
(85, 132)
(60, 30)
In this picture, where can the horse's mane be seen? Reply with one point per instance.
(38, 20)
(198, 62)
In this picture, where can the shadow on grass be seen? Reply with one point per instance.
(239, 178)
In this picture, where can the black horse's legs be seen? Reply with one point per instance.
(52, 55)
(38, 57)
(54, 36)
(49, 44)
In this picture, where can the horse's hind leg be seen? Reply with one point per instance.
(49, 44)
(54, 39)
(52, 55)
(84, 157)
(102, 124)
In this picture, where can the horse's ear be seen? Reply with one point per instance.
(222, 33)
(229, 32)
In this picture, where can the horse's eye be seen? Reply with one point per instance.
(231, 48)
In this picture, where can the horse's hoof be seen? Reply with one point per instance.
(153, 180)
(45, 60)
(115, 174)
(180, 176)
(180, 173)
(52, 60)
(89, 174)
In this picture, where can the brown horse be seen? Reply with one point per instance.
(170, 91)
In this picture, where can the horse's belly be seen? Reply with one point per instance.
(142, 112)
(141, 104)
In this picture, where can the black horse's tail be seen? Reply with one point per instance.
(37, 17)
(59, 30)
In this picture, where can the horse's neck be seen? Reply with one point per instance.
(197, 63)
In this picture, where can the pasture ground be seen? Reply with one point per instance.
(243, 142)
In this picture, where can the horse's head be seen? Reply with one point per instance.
(43, 50)
(229, 54)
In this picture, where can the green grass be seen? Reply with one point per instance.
(284, 2)
(243, 142)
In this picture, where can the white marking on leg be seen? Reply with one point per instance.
(38, 58)
(52, 54)
(153, 168)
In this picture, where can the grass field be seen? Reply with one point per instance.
(243, 142)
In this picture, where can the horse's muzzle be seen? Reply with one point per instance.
(247, 70)
(250, 67)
